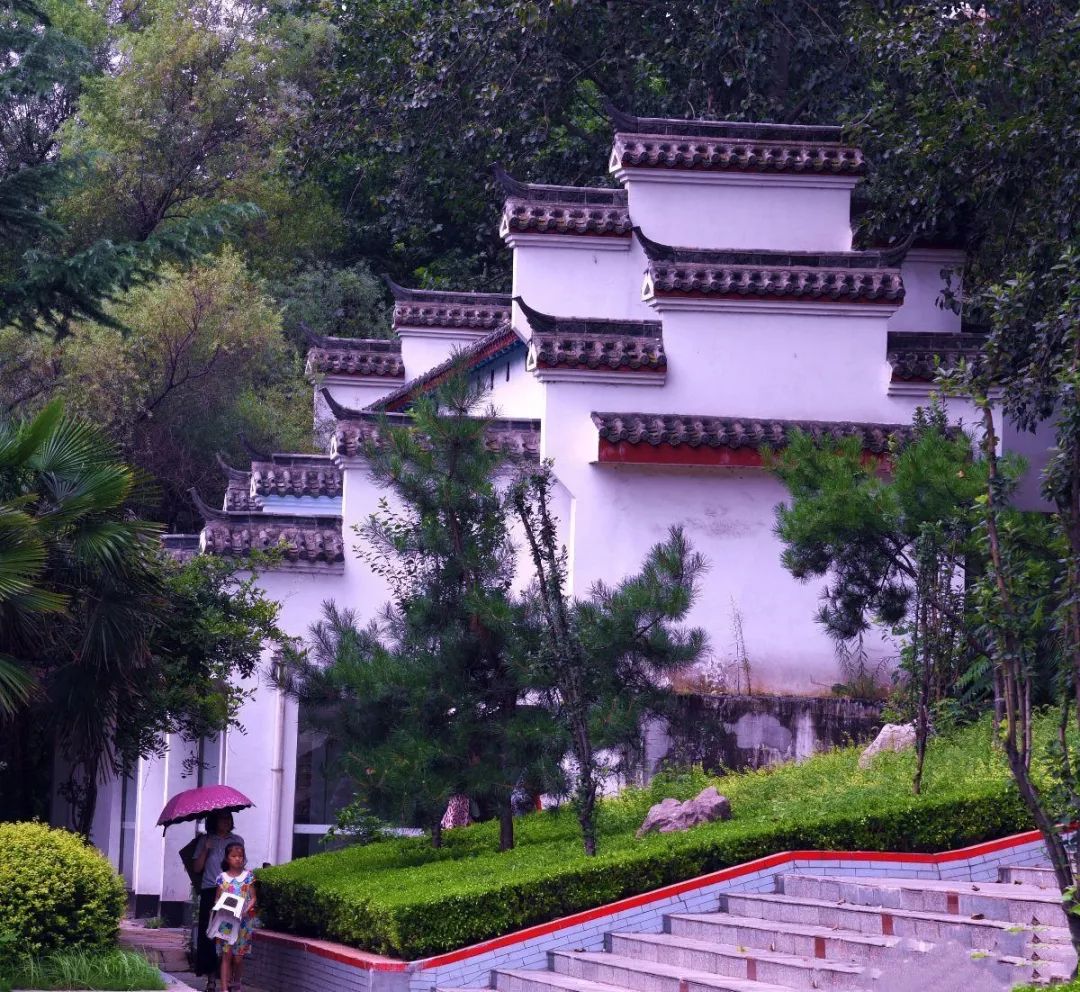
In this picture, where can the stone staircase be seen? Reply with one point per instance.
(850, 934)
(164, 947)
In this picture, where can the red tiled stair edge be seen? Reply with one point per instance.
(376, 962)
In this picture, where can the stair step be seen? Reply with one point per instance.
(1041, 969)
(711, 969)
(523, 980)
(545, 981)
(805, 940)
(978, 934)
(1039, 878)
(988, 900)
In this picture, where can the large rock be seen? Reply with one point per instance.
(893, 737)
(671, 815)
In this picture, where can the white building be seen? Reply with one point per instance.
(656, 337)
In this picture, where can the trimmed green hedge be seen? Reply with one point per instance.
(56, 891)
(403, 898)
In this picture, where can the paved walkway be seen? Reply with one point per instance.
(187, 980)
(167, 948)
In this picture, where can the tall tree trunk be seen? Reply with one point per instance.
(506, 826)
(84, 793)
(585, 793)
(1013, 683)
(436, 834)
(921, 649)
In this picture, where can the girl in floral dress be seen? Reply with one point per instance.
(235, 879)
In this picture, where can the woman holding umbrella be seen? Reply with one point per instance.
(207, 859)
(217, 803)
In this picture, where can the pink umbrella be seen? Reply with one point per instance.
(194, 804)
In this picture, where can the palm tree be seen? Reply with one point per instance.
(79, 587)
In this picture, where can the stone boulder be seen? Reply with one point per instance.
(671, 815)
(893, 737)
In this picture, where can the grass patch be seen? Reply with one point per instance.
(105, 971)
(403, 898)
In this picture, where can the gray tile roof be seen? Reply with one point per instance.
(356, 356)
(670, 143)
(538, 209)
(301, 540)
(238, 494)
(180, 547)
(492, 345)
(591, 343)
(296, 475)
(917, 357)
(737, 432)
(435, 308)
(517, 439)
(857, 276)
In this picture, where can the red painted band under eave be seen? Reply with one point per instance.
(624, 453)
(374, 962)
(643, 453)
(497, 345)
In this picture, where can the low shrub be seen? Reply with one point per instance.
(403, 898)
(57, 891)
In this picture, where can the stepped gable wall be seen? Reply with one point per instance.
(719, 184)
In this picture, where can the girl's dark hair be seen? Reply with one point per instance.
(228, 848)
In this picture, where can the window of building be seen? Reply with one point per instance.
(321, 790)
(128, 799)
(208, 768)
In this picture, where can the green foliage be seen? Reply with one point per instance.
(1073, 986)
(419, 98)
(187, 115)
(600, 664)
(110, 647)
(428, 699)
(859, 527)
(46, 277)
(103, 971)
(58, 891)
(207, 640)
(401, 897)
(328, 302)
(201, 359)
(67, 547)
(356, 824)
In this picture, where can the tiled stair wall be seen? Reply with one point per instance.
(687, 911)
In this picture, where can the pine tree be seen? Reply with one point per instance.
(429, 700)
(893, 547)
(600, 664)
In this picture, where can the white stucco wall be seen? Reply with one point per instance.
(422, 348)
(924, 271)
(740, 210)
(351, 391)
(513, 393)
(778, 359)
(578, 277)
